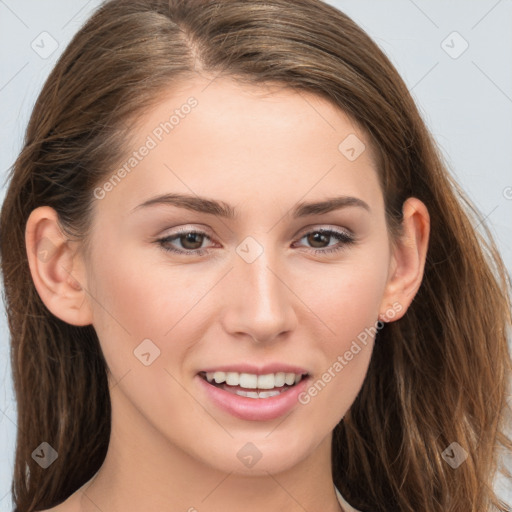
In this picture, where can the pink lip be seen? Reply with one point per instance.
(254, 409)
(257, 370)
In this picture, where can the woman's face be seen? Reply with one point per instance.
(261, 291)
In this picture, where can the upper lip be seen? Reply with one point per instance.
(258, 370)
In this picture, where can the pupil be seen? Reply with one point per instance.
(317, 237)
(189, 238)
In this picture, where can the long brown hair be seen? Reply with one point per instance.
(438, 375)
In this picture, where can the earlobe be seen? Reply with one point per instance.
(58, 277)
(408, 260)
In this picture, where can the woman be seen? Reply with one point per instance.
(238, 274)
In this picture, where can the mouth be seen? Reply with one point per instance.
(253, 386)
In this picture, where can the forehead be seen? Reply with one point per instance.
(242, 142)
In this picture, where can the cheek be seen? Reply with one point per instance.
(125, 308)
(347, 306)
(137, 300)
(347, 296)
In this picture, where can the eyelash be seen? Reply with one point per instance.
(344, 238)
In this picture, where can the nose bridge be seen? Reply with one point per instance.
(259, 302)
(265, 287)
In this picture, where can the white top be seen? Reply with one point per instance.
(346, 507)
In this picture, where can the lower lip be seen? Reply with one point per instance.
(254, 409)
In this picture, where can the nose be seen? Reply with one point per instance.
(259, 301)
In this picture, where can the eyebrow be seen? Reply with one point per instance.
(222, 209)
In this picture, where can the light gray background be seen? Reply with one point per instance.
(465, 97)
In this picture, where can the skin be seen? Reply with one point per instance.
(261, 150)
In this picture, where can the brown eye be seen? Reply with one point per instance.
(319, 240)
(318, 237)
(190, 242)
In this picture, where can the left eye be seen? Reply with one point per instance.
(191, 241)
(320, 235)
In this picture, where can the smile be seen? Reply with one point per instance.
(253, 397)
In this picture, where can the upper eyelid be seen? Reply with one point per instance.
(324, 227)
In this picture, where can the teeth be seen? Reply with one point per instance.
(252, 381)
(253, 394)
(219, 377)
(289, 379)
(232, 378)
(267, 381)
(279, 379)
(268, 394)
(247, 380)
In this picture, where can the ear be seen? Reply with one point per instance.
(57, 272)
(407, 262)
